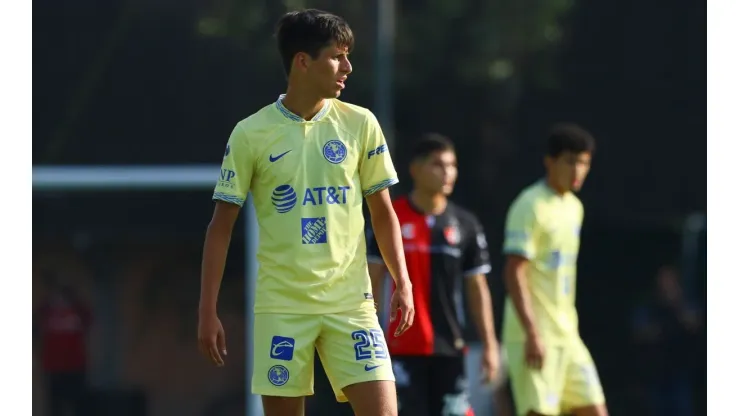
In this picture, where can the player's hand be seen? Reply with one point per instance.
(489, 365)
(534, 352)
(403, 299)
(211, 338)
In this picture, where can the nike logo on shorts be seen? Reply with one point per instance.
(369, 367)
(276, 158)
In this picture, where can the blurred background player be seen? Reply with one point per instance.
(309, 160)
(666, 328)
(445, 250)
(551, 370)
(63, 320)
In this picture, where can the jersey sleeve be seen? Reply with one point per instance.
(476, 259)
(519, 236)
(376, 167)
(236, 170)
(373, 251)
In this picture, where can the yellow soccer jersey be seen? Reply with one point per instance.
(308, 179)
(545, 227)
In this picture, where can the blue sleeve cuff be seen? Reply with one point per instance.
(220, 196)
(380, 186)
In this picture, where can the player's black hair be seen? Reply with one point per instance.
(569, 137)
(310, 31)
(431, 143)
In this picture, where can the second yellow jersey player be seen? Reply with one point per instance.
(551, 370)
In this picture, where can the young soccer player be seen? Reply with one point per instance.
(309, 160)
(551, 370)
(446, 251)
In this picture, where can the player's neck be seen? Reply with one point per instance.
(554, 187)
(302, 103)
(430, 204)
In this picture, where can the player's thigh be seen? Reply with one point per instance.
(536, 391)
(283, 406)
(448, 387)
(352, 349)
(372, 398)
(412, 385)
(284, 354)
(582, 393)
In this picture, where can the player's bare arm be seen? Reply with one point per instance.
(515, 276)
(377, 278)
(211, 336)
(387, 232)
(481, 309)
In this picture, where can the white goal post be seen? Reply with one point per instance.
(146, 178)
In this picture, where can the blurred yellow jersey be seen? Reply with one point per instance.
(308, 180)
(545, 228)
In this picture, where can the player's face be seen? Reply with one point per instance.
(329, 70)
(668, 285)
(437, 173)
(569, 170)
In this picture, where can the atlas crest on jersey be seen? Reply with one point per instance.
(452, 234)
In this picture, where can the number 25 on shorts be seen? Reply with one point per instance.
(369, 342)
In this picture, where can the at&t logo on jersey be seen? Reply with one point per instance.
(335, 152)
(313, 230)
(284, 198)
(325, 195)
(282, 348)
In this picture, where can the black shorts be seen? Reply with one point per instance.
(431, 386)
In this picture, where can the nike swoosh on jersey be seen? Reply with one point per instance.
(371, 368)
(275, 158)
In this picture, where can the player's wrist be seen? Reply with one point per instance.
(490, 346)
(403, 283)
(532, 333)
(207, 309)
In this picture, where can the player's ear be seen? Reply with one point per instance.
(413, 168)
(301, 61)
(547, 161)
